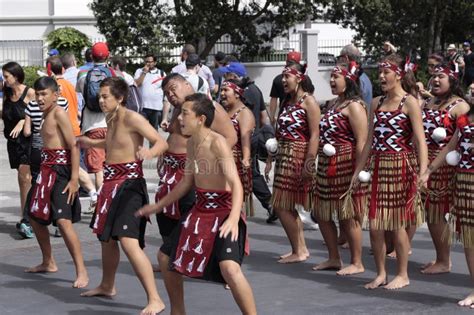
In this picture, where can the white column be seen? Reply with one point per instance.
(309, 49)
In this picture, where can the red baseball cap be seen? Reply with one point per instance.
(100, 50)
(294, 55)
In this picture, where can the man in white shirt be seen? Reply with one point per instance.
(193, 64)
(149, 80)
(204, 71)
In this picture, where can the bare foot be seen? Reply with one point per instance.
(156, 268)
(345, 245)
(467, 301)
(329, 265)
(351, 270)
(290, 253)
(397, 283)
(43, 268)
(293, 258)
(153, 308)
(436, 268)
(82, 280)
(100, 291)
(428, 264)
(393, 254)
(377, 282)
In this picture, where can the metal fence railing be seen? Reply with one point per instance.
(25, 52)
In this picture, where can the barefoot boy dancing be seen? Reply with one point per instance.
(54, 199)
(124, 191)
(210, 241)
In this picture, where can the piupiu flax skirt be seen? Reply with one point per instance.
(394, 201)
(289, 186)
(464, 207)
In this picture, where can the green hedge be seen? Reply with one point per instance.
(30, 74)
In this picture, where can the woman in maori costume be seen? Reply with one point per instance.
(298, 137)
(342, 134)
(394, 200)
(439, 118)
(232, 98)
(463, 214)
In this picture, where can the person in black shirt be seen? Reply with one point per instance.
(468, 64)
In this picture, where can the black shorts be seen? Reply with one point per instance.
(19, 152)
(167, 225)
(121, 220)
(60, 209)
(223, 249)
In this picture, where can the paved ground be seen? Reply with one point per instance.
(279, 289)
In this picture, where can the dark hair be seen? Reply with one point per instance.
(305, 84)
(45, 83)
(68, 60)
(202, 105)
(55, 65)
(455, 87)
(244, 83)
(119, 61)
(352, 90)
(88, 55)
(118, 88)
(172, 77)
(408, 80)
(437, 57)
(151, 55)
(15, 70)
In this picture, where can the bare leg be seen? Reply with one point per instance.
(239, 286)
(377, 240)
(469, 300)
(110, 262)
(142, 266)
(353, 232)
(74, 247)
(442, 264)
(85, 181)
(42, 236)
(99, 179)
(174, 285)
(411, 230)
(301, 239)
(329, 232)
(289, 220)
(402, 245)
(24, 183)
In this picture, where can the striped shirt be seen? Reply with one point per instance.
(36, 115)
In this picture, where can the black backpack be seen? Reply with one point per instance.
(92, 85)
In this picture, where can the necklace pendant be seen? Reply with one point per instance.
(196, 168)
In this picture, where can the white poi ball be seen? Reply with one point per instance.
(329, 149)
(439, 134)
(453, 158)
(271, 145)
(364, 176)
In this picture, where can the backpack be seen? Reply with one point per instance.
(200, 83)
(134, 100)
(92, 85)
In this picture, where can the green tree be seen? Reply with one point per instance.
(250, 24)
(68, 39)
(427, 24)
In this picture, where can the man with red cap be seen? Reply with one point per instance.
(93, 123)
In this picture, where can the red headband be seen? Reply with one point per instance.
(391, 66)
(295, 72)
(237, 89)
(350, 74)
(448, 71)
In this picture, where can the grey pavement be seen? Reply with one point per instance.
(278, 289)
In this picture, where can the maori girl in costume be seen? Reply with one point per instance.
(232, 98)
(298, 137)
(343, 129)
(463, 215)
(394, 200)
(124, 191)
(209, 243)
(54, 196)
(439, 118)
